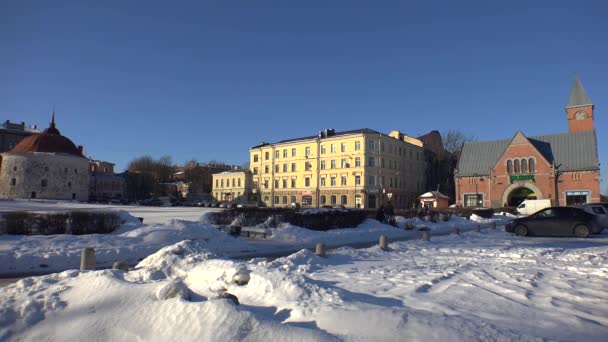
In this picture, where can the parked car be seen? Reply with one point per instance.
(530, 206)
(556, 221)
(597, 209)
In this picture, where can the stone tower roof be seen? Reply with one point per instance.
(578, 96)
(49, 141)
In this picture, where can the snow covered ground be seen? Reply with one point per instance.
(476, 286)
(44, 254)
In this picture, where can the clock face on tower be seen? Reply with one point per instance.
(580, 115)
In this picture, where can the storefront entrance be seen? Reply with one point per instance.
(518, 195)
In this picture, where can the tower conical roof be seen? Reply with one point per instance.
(578, 96)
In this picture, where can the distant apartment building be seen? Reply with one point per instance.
(12, 133)
(104, 184)
(232, 185)
(359, 168)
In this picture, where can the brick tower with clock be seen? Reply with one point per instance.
(579, 109)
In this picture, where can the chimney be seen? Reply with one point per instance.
(81, 150)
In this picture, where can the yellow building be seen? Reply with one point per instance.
(359, 168)
(232, 186)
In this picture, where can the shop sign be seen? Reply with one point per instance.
(520, 178)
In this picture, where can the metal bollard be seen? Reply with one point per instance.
(426, 235)
(478, 228)
(383, 243)
(87, 259)
(457, 231)
(320, 249)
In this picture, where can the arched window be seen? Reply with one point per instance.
(333, 199)
(509, 166)
(516, 166)
(524, 166)
(531, 165)
(343, 200)
(323, 199)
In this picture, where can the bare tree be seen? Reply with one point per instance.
(454, 139)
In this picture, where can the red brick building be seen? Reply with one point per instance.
(561, 167)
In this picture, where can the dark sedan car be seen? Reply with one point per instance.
(556, 221)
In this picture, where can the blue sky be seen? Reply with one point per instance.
(209, 79)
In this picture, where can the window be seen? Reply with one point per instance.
(323, 199)
(255, 158)
(255, 170)
(306, 201)
(531, 165)
(371, 201)
(357, 161)
(371, 162)
(285, 167)
(46, 168)
(265, 183)
(293, 182)
(284, 153)
(276, 183)
(343, 180)
(222, 183)
(239, 182)
(473, 200)
(15, 169)
(13, 181)
(322, 164)
(382, 146)
(524, 166)
(284, 199)
(307, 166)
(333, 148)
(293, 167)
(357, 180)
(266, 155)
(266, 199)
(277, 154)
(323, 149)
(276, 199)
(293, 152)
(343, 147)
(509, 166)
(370, 145)
(343, 163)
(333, 164)
(547, 213)
(411, 154)
(266, 169)
(44, 183)
(382, 162)
(343, 200)
(322, 181)
(217, 183)
(306, 181)
(332, 181)
(285, 183)
(75, 170)
(233, 182)
(333, 199)
(577, 197)
(307, 151)
(371, 180)
(357, 145)
(255, 184)
(516, 166)
(33, 194)
(293, 199)
(276, 168)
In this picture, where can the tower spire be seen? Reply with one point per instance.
(578, 95)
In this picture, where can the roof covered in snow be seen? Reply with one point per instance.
(433, 194)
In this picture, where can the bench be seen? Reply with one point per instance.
(252, 232)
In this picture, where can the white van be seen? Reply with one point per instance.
(531, 206)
